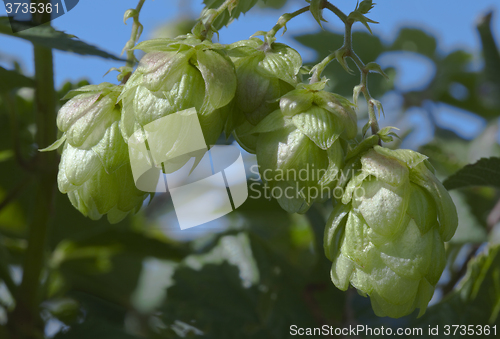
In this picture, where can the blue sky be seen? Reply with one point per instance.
(100, 22)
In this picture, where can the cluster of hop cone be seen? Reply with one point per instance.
(386, 233)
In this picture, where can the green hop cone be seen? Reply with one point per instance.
(301, 146)
(175, 75)
(95, 169)
(90, 111)
(386, 237)
(264, 73)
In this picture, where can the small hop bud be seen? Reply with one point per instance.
(299, 147)
(365, 6)
(265, 72)
(386, 237)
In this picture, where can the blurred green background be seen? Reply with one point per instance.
(259, 270)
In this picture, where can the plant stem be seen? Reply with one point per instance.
(336, 11)
(283, 20)
(207, 32)
(347, 50)
(25, 320)
(372, 116)
(134, 36)
(10, 102)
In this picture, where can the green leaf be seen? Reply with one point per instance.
(485, 172)
(13, 79)
(476, 300)
(49, 37)
(219, 301)
(116, 240)
(469, 228)
(490, 51)
(228, 307)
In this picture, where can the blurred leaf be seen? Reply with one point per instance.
(174, 28)
(485, 172)
(66, 310)
(475, 300)
(469, 229)
(481, 201)
(47, 36)
(276, 4)
(447, 155)
(95, 329)
(113, 280)
(215, 299)
(368, 47)
(453, 71)
(490, 53)
(474, 100)
(127, 241)
(415, 40)
(12, 219)
(225, 18)
(13, 79)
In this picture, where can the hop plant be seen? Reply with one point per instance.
(175, 75)
(386, 237)
(94, 170)
(300, 147)
(264, 72)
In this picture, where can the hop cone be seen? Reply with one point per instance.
(387, 235)
(94, 170)
(264, 74)
(175, 75)
(300, 147)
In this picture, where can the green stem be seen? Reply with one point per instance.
(134, 36)
(14, 128)
(320, 67)
(25, 320)
(283, 20)
(372, 116)
(348, 51)
(336, 11)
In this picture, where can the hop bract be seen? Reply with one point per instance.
(300, 147)
(95, 170)
(90, 111)
(387, 235)
(264, 73)
(175, 75)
